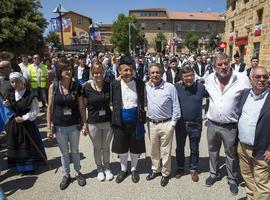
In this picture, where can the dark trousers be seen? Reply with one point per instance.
(193, 131)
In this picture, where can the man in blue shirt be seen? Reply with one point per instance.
(163, 113)
(190, 96)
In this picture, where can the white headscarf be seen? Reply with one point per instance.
(16, 75)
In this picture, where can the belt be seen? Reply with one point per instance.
(225, 125)
(247, 146)
(155, 121)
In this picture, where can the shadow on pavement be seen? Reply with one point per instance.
(10, 187)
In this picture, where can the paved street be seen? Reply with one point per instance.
(45, 185)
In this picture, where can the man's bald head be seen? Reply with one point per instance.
(5, 68)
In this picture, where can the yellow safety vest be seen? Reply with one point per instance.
(34, 77)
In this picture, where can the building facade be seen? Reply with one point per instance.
(247, 29)
(75, 28)
(175, 26)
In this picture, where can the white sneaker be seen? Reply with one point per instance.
(101, 176)
(109, 175)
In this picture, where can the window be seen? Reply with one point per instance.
(260, 16)
(158, 26)
(192, 27)
(208, 27)
(232, 26)
(233, 4)
(256, 51)
(79, 21)
(143, 26)
(178, 27)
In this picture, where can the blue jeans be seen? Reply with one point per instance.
(193, 131)
(69, 137)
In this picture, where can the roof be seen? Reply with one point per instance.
(149, 9)
(77, 14)
(197, 16)
(194, 16)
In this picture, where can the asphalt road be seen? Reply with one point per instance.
(45, 184)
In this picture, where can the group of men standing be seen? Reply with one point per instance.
(237, 118)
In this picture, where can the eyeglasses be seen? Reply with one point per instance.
(260, 77)
(35, 57)
(222, 63)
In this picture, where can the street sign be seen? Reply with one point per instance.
(223, 45)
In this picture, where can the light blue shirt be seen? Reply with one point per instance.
(249, 117)
(162, 102)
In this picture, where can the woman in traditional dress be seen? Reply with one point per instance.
(25, 147)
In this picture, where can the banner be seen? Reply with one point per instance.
(5, 115)
(55, 24)
(258, 30)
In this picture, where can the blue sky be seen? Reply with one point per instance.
(107, 11)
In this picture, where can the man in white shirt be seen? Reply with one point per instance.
(128, 118)
(225, 88)
(24, 65)
(254, 138)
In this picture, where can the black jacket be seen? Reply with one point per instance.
(242, 67)
(178, 75)
(116, 101)
(197, 71)
(85, 75)
(262, 135)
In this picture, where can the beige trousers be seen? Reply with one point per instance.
(256, 174)
(161, 136)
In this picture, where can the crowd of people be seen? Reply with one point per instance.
(111, 97)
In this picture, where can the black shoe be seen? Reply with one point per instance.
(210, 181)
(233, 188)
(65, 182)
(81, 180)
(164, 181)
(121, 176)
(153, 175)
(135, 177)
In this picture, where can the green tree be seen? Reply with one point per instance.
(54, 39)
(160, 38)
(21, 26)
(212, 44)
(191, 41)
(120, 33)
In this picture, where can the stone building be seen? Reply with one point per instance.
(175, 25)
(247, 29)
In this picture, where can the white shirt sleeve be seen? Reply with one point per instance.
(32, 114)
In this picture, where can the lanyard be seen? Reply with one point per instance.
(62, 92)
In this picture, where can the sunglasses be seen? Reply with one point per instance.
(36, 58)
(223, 63)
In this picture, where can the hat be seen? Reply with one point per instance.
(173, 59)
(126, 59)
